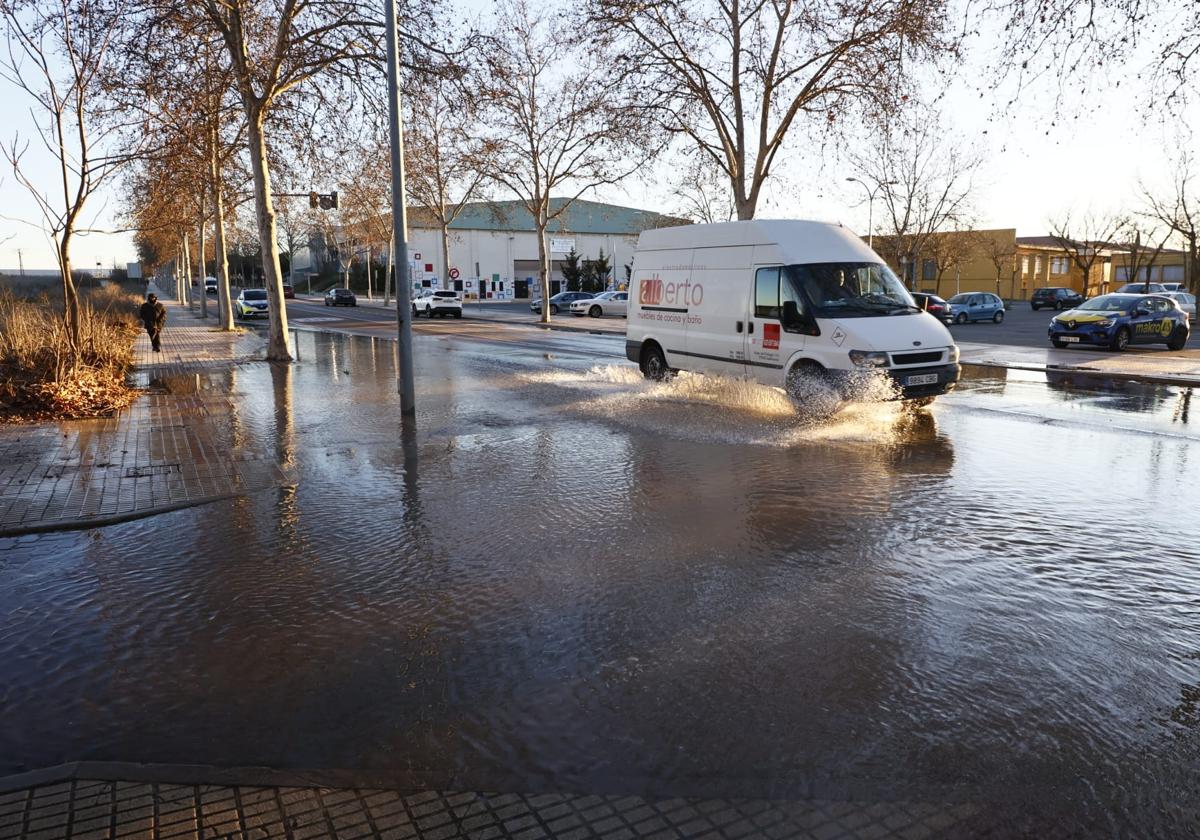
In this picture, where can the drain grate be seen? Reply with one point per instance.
(152, 469)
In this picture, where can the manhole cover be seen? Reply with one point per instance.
(153, 469)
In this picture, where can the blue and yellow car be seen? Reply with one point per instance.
(1119, 320)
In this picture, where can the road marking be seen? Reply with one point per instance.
(315, 320)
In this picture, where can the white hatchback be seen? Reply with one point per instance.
(1186, 301)
(605, 303)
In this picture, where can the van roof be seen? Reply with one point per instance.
(800, 241)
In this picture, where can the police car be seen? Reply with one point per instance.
(1118, 320)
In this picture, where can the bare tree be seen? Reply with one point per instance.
(1073, 41)
(734, 76)
(274, 47)
(925, 180)
(58, 52)
(554, 120)
(1179, 212)
(1002, 254)
(950, 250)
(702, 193)
(1142, 248)
(446, 162)
(1084, 239)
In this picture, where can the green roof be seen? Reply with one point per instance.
(581, 217)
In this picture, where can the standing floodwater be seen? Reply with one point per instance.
(573, 579)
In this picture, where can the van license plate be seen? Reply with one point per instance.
(1070, 339)
(923, 379)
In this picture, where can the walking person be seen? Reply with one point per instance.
(154, 317)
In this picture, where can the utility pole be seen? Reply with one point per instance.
(408, 403)
(21, 261)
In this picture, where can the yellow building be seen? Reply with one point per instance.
(1011, 266)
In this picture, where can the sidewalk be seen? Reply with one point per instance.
(1151, 365)
(78, 807)
(170, 449)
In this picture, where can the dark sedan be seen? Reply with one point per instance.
(934, 305)
(1055, 297)
(340, 297)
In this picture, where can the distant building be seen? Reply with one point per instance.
(1012, 266)
(493, 245)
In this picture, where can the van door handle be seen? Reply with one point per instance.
(750, 327)
(739, 326)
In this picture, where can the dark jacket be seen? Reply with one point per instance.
(153, 314)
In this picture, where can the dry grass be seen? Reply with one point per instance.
(41, 378)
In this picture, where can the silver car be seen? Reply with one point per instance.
(605, 303)
(975, 306)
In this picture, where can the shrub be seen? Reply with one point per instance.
(39, 374)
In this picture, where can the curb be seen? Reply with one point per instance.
(1095, 373)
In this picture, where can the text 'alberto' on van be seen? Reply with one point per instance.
(777, 301)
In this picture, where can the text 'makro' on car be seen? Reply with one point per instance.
(605, 303)
(1119, 320)
(560, 301)
(785, 303)
(337, 296)
(439, 302)
(1054, 297)
(976, 306)
(250, 303)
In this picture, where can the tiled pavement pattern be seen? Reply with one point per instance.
(98, 810)
(169, 449)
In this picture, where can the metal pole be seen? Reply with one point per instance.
(408, 404)
(871, 219)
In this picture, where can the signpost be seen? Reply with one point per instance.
(560, 245)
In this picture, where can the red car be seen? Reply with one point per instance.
(287, 291)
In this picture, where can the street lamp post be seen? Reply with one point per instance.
(871, 207)
(405, 385)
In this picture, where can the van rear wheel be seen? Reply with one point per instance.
(653, 363)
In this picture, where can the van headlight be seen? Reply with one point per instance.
(868, 358)
(953, 354)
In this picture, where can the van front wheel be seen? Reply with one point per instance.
(653, 364)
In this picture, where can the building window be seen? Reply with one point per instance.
(1037, 265)
(1172, 273)
(1024, 265)
(928, 270)
(1123, 273)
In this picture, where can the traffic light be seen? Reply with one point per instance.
(329, 202)
(313, 199)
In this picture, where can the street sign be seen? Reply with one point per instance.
(561, 246)
(454, 274)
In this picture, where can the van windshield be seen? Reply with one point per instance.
(851, 290)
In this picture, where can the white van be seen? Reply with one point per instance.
(772, 300)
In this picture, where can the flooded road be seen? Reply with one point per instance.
(570, 579)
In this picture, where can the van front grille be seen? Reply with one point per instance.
(917, 358)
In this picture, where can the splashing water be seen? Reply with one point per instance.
(734, 410)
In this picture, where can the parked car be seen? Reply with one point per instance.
(250, 303)
(1174, 287)
(934, 305)
(440, 302)
(975, 306)
(340, 297)
(605, 303)
(1141, 289)
(210, 286)
(1187, 302)
(288, 292)
(560, 301)
(1054, 297)
(1116, 321)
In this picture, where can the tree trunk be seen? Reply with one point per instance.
(203, 268)
(446, 256)
(543, 270)
(70, 298)
(277, 339)
(369, 256)
(1087, 273)
(187, 270)
(224, 301)
(388, 278)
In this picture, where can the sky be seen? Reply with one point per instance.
(1092, 157)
